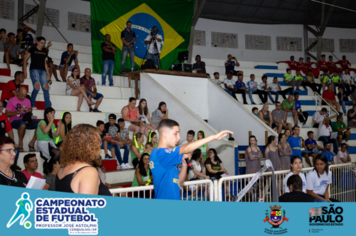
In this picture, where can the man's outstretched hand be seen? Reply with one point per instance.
(222, 134)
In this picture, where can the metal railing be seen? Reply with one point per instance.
(318, 103)
(343, 187)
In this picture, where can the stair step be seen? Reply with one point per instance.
(266, 67)
(278, 75)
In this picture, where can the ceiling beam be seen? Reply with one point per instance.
(327, 17)
(198, 11)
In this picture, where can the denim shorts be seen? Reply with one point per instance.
(98, 95)
(17, 123)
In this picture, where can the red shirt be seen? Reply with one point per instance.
(322, 65)
(5, 125)
(292, 64)
(87, 83)
(7, 90)
(309, 64)
(331, 64)
(329, 95)
(28, 176)
(344, 64)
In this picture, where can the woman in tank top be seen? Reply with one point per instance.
(266, 117)
(132, 119)
(77, 175)
(137, 149)
(152, 142)
(145, 115)
(271, 153)
(253, 156)
(285, 151)
(143, 176)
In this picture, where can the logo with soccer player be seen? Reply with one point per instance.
(24, 208)
(275, 216)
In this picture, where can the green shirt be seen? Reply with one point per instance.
(335, 79)
(288, 77)
(309, 79)
(288, 105)
(140, 150)
(42, 136)
(325, 79)
(203, 150)
(143, 179)
(299, 77)
(337, 125)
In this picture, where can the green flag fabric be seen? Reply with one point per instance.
(172, 17)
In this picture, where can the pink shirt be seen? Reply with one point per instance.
(28, 176)
(340, 155)
(14, 104)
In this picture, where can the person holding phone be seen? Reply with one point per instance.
(230, 65)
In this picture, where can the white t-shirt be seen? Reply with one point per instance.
(302, 176)
(262, 86)
(217, 81)
(197, 168)
(229, 82)
(143, 117)
(274, 87)
(346, 78)
(317, 117)
(340, 155)
(323, 130)
(151, 45)
(318, 184)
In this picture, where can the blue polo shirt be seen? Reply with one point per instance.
(163, 165)
(295, 144)
(329, 156)
(308, 141)
(350, 112)
(65, 55)
(239, 84)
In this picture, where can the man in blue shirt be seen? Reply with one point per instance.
(66, 63)
(253, 89)
(312, 148)
(302, 115)
(295, 143)
(329, 155)
(164, 160)
(230, 65)
(241, 87)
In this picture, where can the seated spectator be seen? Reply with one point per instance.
(266, 117)
(343, 131)
(288, 77)
(19, 111)
(332, 65)
(271, 153)
(145, 116)
(64, 128)
(91, 90)
(12, 52)
(253, 156)
(311, 146)
(143, 176)
(190, 137)
(343, 155)
(230, 65)
(253, 89)
(137, 149)
(325, 79)
(66, 63)
(322, 63)
(275, 87)
(318, 117)
(204, 149)
(214, 166)
(329, 96)
(21, 42)
(46, 135)
(74, 88)
(347, 81)
(296, 194)
(284, 151)
(310, 82)
(3, 39)
(325, 131)
(216, 79)
(267, 88)
(124, 133)
(351, 117)
(329, 155)
(50, 171)
(197, 172)
(132, 118)
(31, 165)
(302, 115)
(336, 80)
(279, 118)
(241, 87)
(344, 99)
(255, 112)
(229, 85)
(152, 142)
(100, 125)
(345, 64)
(161, 113)
(298, 78)
(98, 164)
(8, 176)
(291, 64)
(288, 106)
(319, 179)
(199, 66)
(12, 87)
(295, 165)
(79, 149)
(301, 66)
(7, 129)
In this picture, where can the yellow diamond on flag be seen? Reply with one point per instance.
(171, 38)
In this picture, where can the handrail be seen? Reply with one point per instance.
(318, 95)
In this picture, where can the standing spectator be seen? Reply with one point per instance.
(343, 131)
(310, 82)
(145, 115)
(12, 87)
(343, 155)
(329, 155)
(278, 117)
(325, 131)
(288, 133)
(271, 153)
(275, 87)
(296, 143)
(154, 42)
(27, 36)
(128, 39)
(284, 151)
(143, 176)
(38, 71)
(50, 171)
(91, 90)
(241, 87)
(74, 88)
(190, 137)
(109, 51)
(137, 149)
(253, 89)
(66, 63)
(329, 96)
(288, 105)
(3, 39)
(31, 165)
(229, 85)
(332, 65)
(344, 99)
(253, 156)
(295, 165)
(132, 118)
(230, 65)
(266, 117)
(12, 52)
(318, 117)
(267, 88)
(291, 81)
(291, 64)
(199, 66)
(302, 115)
(351, 117)
(19, 110)
(216, 79)
(345, 64)
(161, 113)
(64, 128)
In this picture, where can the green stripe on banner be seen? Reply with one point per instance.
(173, 19)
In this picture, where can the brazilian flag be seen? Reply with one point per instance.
(172, 17)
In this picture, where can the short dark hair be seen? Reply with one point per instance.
(327, 143)
(17, 73)
(238, 75)
(191, 132)
(310, 132)
(99, 122)
(10, 34)
(264, 77)
(343, 144)
(254, 109)
(301, 58)
(339, 116)
(322, 55)
(296, 126)
(2, 30)
(252, 75)
(335, 71)
(216, 73)
(278, 102)
(296, 93)
(326, 70)
(197, 56)
(330, 56)
(69, 44)
(19, 30)
(308, 58)
(120, 120)
(288, 69)
(112, 116)
(40, 39)
(28, 156)
(309, 70)
(324, 109)
(167, 123)
(128, 22)
(296, 182)
(132, 99)
(229, 72)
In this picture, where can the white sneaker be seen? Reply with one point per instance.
(347, 144)
(128, 166)
(123, 166)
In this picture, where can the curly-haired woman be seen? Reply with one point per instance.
(80, 147)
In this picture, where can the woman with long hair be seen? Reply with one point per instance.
(253, 156)
(204, 149)
(64, 128)
(152, 142)
(287, 133)
(296, 165)
(78, 150)
(285, 151)
(46, 136)
(98, 164)
(197, 168)
(271, 153)
(74, 88)
(143, 175)
(319, 180)
(145, 115)
(159, 114)
(137, 149)
(51, 170)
